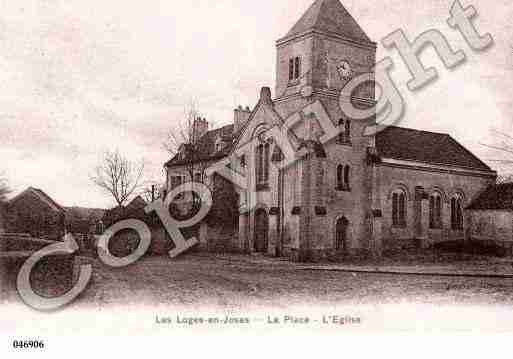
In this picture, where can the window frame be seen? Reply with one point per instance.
(295, 64)
(399, 209)
(435, 211)
(457, 215)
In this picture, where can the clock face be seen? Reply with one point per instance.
(345, 70)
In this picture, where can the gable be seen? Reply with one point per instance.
(264, 116)
(33, 195)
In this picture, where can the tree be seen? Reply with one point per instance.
(118, 176)
(184, 140)
(151, 192)
(4, 188)
(503, 147)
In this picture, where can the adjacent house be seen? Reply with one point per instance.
(34, 212)
(491, 216)
(355, 193)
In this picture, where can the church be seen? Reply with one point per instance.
(355, 194)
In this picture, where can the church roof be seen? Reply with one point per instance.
(329, 16)
(495, 197)
(426, 147)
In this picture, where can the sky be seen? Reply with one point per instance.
(78, 77)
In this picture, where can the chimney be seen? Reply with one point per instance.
(240, 118)
(200, 128)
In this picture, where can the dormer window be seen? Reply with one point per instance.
(294, 68)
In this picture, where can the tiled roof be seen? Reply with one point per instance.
(495, 197)
(426, 147)
(329, 16)
(42, 196)
(206, 146)
(137, 203)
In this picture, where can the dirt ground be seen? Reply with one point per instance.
(200, 281)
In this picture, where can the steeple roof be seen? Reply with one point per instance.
(329, 16)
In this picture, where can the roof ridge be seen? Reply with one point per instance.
(329, 16)
(418, 130)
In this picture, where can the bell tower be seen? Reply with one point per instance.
(322, 52)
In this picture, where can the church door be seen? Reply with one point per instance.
(341, 235)
(261, 231)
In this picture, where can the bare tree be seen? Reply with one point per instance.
(504, 149)
(118, 176)
(151, 192)
(184, 140)
(4, 188)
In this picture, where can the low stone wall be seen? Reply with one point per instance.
(52, 276)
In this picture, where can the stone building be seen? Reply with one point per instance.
(349, 194)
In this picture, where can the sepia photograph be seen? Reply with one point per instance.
(331, 168)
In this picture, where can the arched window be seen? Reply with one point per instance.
(456, 213)
(435, 211)
(341, 134)
(399, 208)
(266, 162)
(259, 162)
(348, 131)
(347, 177)
(340, 177)
(262, 158)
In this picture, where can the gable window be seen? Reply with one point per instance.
(399, 209)
(266, 163)
(262, 166)
(341, 135)
(456, 213)
(294, 68)
(347, 131)
(344, 136)
(435, 211)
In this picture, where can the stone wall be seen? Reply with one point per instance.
(447, 183)
(51, 277)
(491, 226)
